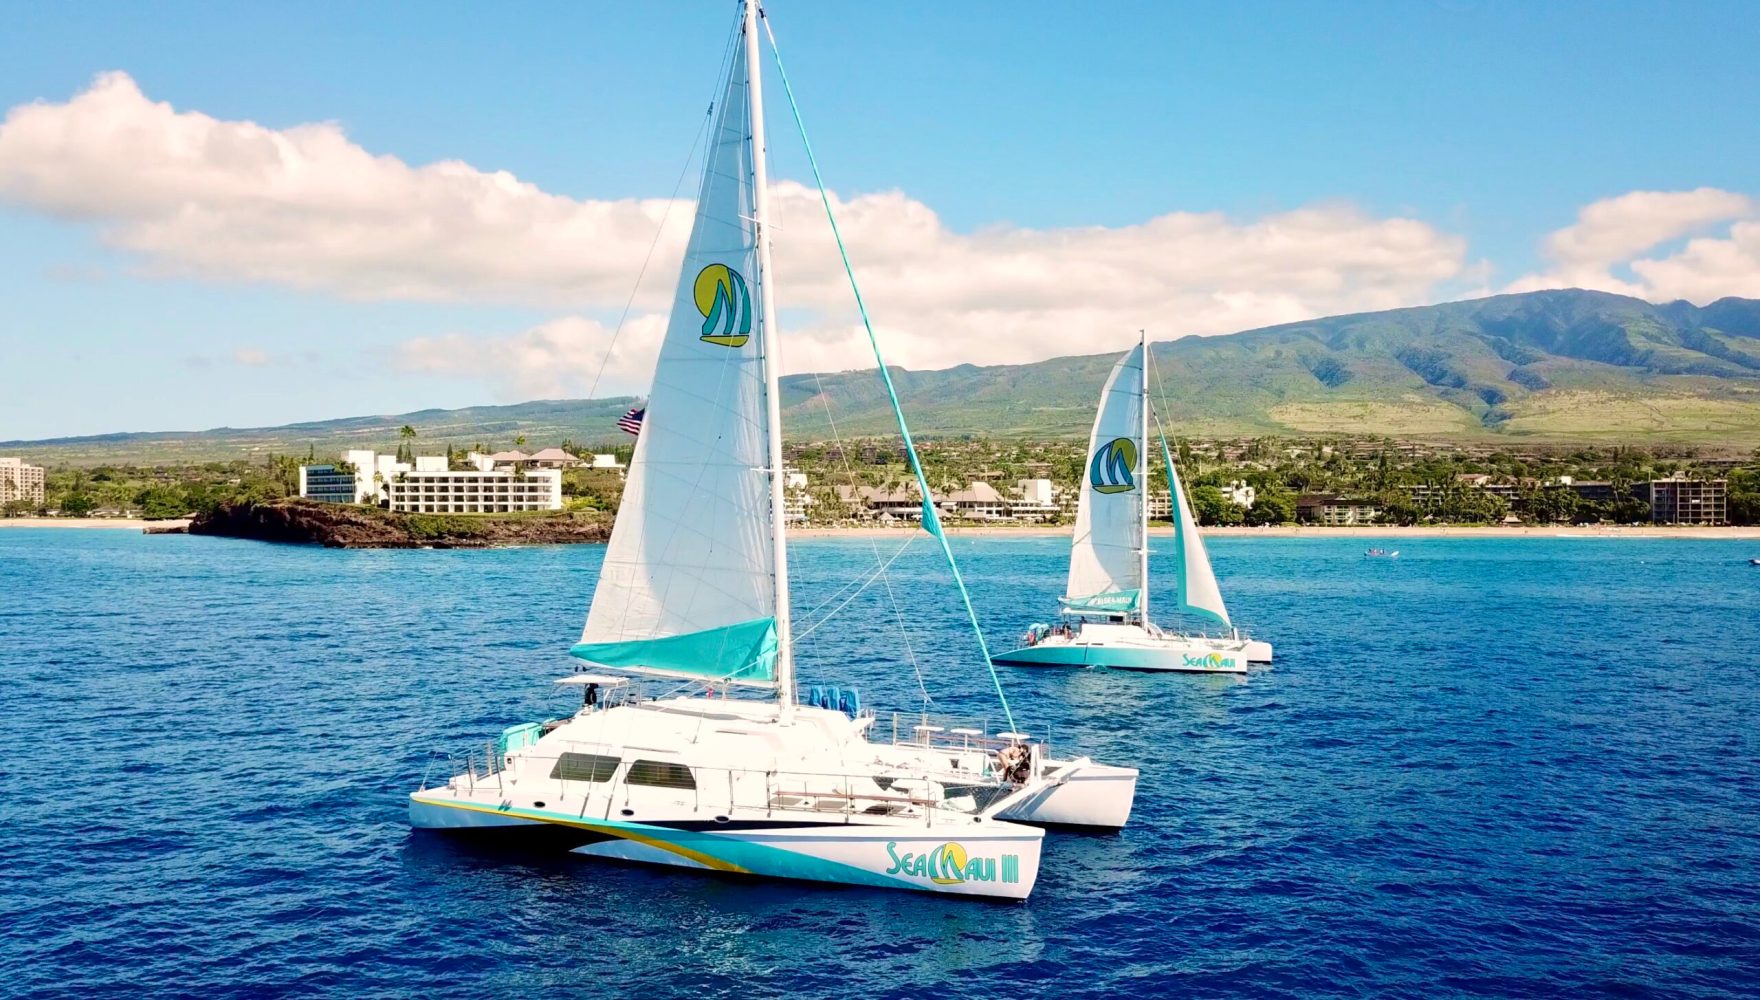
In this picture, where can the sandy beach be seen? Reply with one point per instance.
(88, 522)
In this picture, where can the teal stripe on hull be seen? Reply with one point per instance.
(1119, 658)
(1045, 656)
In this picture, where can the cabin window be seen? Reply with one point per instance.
(664, 774)
(584, 767)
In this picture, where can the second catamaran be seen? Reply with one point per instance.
(1105, 608)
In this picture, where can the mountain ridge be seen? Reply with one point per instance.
(1561, 365)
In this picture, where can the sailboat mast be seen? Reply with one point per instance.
(770, 357)
(1143, 477)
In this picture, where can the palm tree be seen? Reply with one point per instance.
(406, 432)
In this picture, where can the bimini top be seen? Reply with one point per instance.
(605, 680)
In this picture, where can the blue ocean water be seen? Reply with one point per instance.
(1491, 767)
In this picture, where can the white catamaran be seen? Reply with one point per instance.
(1105, 610)
(694, 589)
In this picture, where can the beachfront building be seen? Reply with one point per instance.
(607, 462)
(1679, 500)
(329, 484)
(979, 501)
(1333, 509)
(555, 458)
(1160, 505)
(442, 491)
(1591, 491)
(795, 498)
(20, 482)
(429, 485)
(1240, 494)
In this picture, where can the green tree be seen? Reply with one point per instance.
(77, 505)
(1397, 507)
(1554, 505)
(1272, 508)
(1211, 508)
(406, 432)
(159, 502)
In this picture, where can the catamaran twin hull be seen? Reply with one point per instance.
(974, 858)
(1139, 651)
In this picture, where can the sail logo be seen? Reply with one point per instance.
(720, 295)
(1214, 661)
(951, 864)
(1113, 469)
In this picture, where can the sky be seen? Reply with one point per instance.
(243, 215)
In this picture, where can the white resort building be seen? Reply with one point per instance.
(19, 481)
(429, 486)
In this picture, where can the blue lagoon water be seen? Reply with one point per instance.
(1491, 767)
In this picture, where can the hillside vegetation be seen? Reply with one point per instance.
(1567, 365)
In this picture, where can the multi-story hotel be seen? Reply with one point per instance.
(19, 481)
(329, 483)
(429, 486)
(475, 492)
(1686, 501)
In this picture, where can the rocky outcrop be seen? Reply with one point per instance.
(355, 527)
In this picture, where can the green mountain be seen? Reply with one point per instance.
(1555, 366)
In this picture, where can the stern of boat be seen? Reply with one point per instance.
(1078, 793)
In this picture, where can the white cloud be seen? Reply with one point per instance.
(1610, 237)
(305, 207)
(565, 357)
(190, 195)
(195, 196)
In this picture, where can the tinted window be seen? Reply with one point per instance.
(584, 767)
(662, 773)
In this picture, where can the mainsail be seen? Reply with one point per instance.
(1105, 560)
(1198, 592)
(688, 585)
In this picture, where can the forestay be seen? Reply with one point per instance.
(687, 588)
(1105, 562)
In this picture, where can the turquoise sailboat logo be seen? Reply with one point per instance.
(720, 295)
(1113, 467)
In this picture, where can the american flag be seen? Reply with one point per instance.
(631, 422)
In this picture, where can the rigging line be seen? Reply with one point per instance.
(865, 584)
(660, 230)
(874, 547)
(891, 392)
(1161, 391)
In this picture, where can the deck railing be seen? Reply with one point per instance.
(719, 791)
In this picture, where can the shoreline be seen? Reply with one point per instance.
(1040, 531)
(1372, 531)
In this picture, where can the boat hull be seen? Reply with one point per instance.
(1081, 793)
(1000, 860)
(1170, 654)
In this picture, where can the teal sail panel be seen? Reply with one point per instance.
(744, 653)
